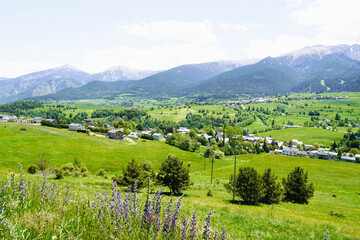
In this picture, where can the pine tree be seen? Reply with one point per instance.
(265, 147)
(173, 175)
(131, 173)
(337, 117)
(296, 187)
(248, 185)
(272, 189)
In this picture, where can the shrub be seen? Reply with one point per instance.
(173, 175)
(74, 169)
(248, 185)
(59, 173)
(272, 189)
(336, 214)
(32, 169)
(42, 163)
(23, 129)
(296, 187)
(209, 193)
(218, 154)
(134, 172)
(101, 173)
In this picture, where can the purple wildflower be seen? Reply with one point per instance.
(215, 235)
(223, 234)
(184, 229)
(193, 227)
(167, 218)
(206, 232)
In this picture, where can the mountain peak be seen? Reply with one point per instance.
(68, 66)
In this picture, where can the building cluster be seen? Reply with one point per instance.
(239, 103)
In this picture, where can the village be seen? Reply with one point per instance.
(293, 148)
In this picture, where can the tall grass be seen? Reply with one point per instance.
(31, 210)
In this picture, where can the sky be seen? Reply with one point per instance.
(94, 35)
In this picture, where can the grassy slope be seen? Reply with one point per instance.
(282, 221)
(307, 135)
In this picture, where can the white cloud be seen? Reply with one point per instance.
(336, 21)
(283, 44)
(155, 58)
(18, 68)
(199, 32)
(293, 3)
(241, 27)
(176, 43)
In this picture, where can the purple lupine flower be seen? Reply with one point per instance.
(157, 227)
(223, 234)
(184, 228)
(22, 186)
(3, 199)
(167, 218)
(67, 195)
(215, 235)
(193, 227)
(176, 213)
(206, 232)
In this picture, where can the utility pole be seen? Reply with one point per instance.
(212, 168)
(204, 163)
(234, 175)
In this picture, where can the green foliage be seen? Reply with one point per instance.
(32, 169)
(55, 125)
(59, 173)
(17, 108)
(173, 175)
(42, 163)
(74, 169)
(101, 173)
(248, 185)
(218, 154)
(272, 189)
(134, 172)
(297, 188)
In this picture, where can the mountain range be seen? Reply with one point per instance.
(310, 69)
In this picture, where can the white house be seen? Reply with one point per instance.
(278, 152)
(286, 151)
(158, 137)
(183, 130)
(4, 118)
(134, 135)
(76, 126)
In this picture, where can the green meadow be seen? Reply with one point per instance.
(337, 184)
(305, 134)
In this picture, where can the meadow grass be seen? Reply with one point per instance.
(306, 135)
(336, 183)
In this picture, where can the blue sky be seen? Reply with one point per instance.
(96, 35)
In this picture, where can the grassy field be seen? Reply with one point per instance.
(337, 184)
(306, 135)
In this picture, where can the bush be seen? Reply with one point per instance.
(209, 193)
(32, 169)
(23, 129)
(272, 189)
(218, 154)
(42, 163)
(59, 174)
(173, 175)
(296, 187)
(248, 185)
(134, 172)
(74, 169)
(101, 173)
